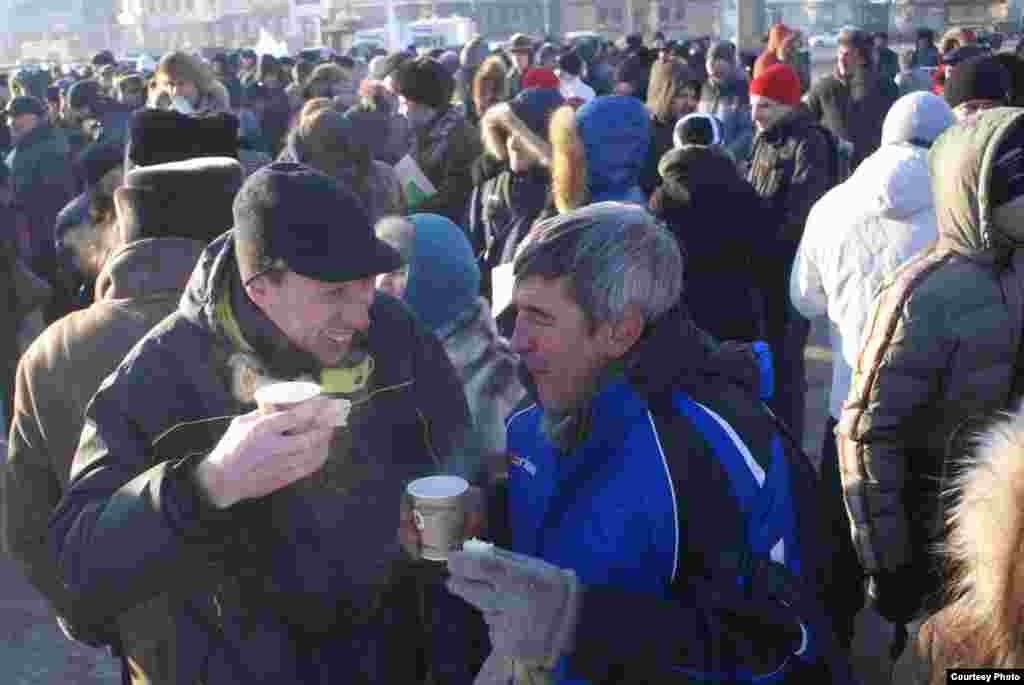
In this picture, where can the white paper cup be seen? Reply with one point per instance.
(438, 510)
(284, 396)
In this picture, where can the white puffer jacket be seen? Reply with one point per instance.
(858, 233)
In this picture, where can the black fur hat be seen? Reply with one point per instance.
(187, 199)
(157, 136)
(426, 81)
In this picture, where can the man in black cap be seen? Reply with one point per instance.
(165, 216)
(278, 529)
(42, 181)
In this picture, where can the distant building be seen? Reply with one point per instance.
(81, 26)
(495, 19)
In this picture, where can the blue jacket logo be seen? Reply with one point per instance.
(523, 463)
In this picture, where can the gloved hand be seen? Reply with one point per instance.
(897, 595)
(530, 606)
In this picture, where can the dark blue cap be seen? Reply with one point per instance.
(312, 223)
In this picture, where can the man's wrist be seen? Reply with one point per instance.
(207, 480)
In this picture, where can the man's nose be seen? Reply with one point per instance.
(520, 341)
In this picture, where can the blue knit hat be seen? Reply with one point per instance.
(444, 278)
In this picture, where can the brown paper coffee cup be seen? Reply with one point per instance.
(438, 509)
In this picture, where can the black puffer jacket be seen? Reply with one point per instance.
(714, 214)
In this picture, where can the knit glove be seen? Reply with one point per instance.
(530, 606)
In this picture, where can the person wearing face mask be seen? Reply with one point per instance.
(792, 166)
(516, 188)
(190, 85)
(445, 145)
(850, 102)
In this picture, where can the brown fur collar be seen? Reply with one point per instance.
(569, 162)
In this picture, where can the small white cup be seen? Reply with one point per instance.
(438, 510)
(284, 396)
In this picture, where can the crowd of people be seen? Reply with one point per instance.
(581, 277)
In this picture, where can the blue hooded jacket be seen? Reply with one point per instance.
(615, 131)
(444, 279)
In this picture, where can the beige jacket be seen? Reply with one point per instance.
(138, 287)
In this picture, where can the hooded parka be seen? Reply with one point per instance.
(939, 355)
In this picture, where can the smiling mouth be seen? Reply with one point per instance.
(338, 336)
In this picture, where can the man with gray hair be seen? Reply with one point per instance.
(639, 426)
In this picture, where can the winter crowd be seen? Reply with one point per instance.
(581, 277)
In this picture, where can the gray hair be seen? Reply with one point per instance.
(614, 255)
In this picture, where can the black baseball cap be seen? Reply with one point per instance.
(314, 224)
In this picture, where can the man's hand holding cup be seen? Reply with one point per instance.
(268, 449)
(438, 513)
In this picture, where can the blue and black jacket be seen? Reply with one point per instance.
(670, 510)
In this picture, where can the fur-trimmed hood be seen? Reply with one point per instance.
(987, 524)
(599, 151)
(499, 123)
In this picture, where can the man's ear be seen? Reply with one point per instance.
(621, 335)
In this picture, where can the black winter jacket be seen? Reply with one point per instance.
(853, 110)
(502, 209)
(715, 215)
(269, 590)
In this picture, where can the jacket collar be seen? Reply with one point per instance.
(674, 354)
(796, 120)
(145, 267)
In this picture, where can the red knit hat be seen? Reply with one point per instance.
(778, 82)
(540, 77)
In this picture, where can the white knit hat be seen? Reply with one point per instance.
(698, 128)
